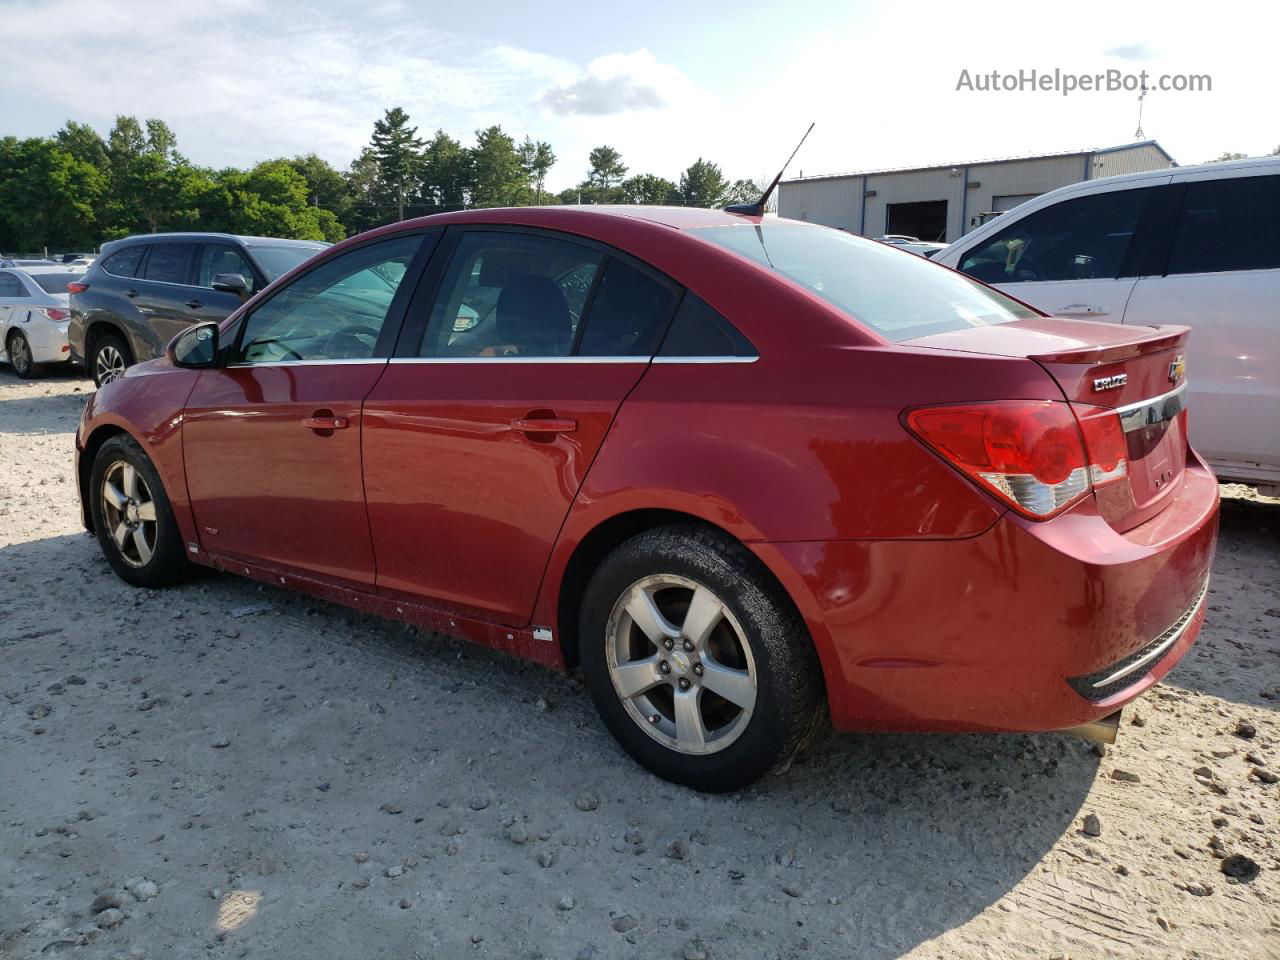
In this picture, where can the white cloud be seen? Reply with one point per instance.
(1132, 51)
(618, 83)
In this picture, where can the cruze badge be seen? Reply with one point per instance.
(1111, 382)
(1177, 368)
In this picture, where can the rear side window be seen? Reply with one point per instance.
(1086, 238)
(698, 331)
(1231, 224)
(627, 315)
(169, 263)
(124, 263)
(11, 286)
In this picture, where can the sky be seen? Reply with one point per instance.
(663, 82)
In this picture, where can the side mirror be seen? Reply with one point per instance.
(232, 283)
(195, 347)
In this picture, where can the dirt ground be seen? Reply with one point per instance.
(228, 770)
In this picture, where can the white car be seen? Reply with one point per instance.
(1198, 246)
(34, 313)
(923, 248)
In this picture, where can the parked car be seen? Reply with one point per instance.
(34, 315)
(914, 245)
(743, 472)
(142, 290)
(1192, 245)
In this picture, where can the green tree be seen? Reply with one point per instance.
(703, 185)
(398, 150)
(82, 142)
(607, 169)
(743, 191)
(446, 174)
(648, 189)
(326, 187)
(271, 200)
(498, 178)
(1229, 156)
(537, 158)
(48, 197)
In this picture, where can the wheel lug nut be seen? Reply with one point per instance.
(668, 643)
(664, 667)
(697, 668)
(653, 718)
(684, 683)
(688, 645)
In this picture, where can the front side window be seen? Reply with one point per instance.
(169, 263)
(1231, 224)
(334, 312)
(11, 286)
(895, 293)
(275, 262)
(510, 295)
(1087, 238)
(221, 258)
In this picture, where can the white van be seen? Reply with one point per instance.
(1189, 245)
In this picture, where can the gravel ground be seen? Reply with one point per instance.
(228, 770)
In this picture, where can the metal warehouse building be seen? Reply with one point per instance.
(943, 203)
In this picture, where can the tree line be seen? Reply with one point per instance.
(76, 189)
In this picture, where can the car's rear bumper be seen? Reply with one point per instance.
(1011, 630)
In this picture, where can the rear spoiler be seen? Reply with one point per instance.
(1168, 337)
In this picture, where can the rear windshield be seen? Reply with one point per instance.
(897, 294)
(54, 282)
(277, 261)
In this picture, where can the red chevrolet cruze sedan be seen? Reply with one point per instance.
(741, 471)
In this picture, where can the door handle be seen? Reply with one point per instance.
(194, 304)
(544, 425)
(326, 423)
(131, 294)
(1080, 310)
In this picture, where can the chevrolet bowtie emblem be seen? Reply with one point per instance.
(1177, 368)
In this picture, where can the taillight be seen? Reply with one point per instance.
(56, 314)
(1032, 454)
(75, 286)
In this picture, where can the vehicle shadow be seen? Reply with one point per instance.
(337, 722)
(54, 410)
(1237, 655)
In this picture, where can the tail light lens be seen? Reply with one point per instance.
(75, 286)
(56, 314)
(1038, 456)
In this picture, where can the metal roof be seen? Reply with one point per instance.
(980, 163)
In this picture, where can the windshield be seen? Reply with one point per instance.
(897, 294)
(277, 261)
(54, 282)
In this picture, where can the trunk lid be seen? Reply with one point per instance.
(1137, 372)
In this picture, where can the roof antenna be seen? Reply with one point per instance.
(757, 209)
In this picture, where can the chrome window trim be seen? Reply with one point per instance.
(1148, 413)
(309, 363)
(705, 359)
(520, 359)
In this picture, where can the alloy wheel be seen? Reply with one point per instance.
(20, 354)
(681, 664)
(108, 366)
(130, 513)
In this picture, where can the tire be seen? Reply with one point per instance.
(20, 356)
(109, 357)
(142, 551)
(756, 648)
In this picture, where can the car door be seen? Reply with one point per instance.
(271, 439)
(208, 304)
(12, 297)
(1072, 258)
(163, 290)
(1222, 279)
(481, 431)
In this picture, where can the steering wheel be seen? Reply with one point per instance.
(334, 348)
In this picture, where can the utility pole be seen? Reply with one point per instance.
(1137, 135)
(400, 195)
